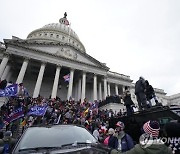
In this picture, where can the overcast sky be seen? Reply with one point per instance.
(133, 37)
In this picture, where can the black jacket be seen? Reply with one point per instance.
(139, 86)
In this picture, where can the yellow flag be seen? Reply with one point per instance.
(23, 123)
(86, 111)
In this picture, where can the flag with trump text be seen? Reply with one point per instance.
(9, 91)
(14, 115)
(66, 77)
(37, 110)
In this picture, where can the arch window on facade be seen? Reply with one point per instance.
(57, 36)
(51, 35)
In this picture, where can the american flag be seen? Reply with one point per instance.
(66, 22)
(6, 122)
(66, 77)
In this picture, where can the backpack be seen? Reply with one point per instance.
(6, 148)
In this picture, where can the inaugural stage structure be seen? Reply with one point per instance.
(53, 53)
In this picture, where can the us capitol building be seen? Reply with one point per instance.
(49, 53)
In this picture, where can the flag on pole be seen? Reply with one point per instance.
(14, 115)
(66, 22)
(37, 110)
(66, 77)
(9, 91)
(23, 123)
(86, 111)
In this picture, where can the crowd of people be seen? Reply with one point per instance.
(86, 114)
(149, 143)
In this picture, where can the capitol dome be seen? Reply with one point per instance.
(57, 32)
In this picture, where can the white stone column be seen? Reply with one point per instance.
(123, 90)
(3, 64)
(22, 71)
(100, 91)
(56, 81)
(95, 87)
(70, 84)
(83, 94)
(6, 72)
(116, 89)
(105, 88)
(39, 81)
(109, 89)
(8, 77)
(79, 89)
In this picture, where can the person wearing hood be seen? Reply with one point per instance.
(149, 143)
(7, 142)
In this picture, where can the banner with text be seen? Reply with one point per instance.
(37, 110)
(16, 114)
(9, 91)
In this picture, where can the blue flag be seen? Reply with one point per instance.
(9, 91)
(37, 110)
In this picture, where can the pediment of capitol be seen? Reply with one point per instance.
(59, 50)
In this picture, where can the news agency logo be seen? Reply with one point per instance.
(147, 140)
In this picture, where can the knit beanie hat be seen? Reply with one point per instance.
(152, 128)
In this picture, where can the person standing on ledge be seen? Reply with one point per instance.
(140, 93)
(128, 101)
(150, 94)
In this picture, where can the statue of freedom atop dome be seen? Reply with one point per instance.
(65, 15)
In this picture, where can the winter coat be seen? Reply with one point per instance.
(149, 92)
(112, 142)
(127, 98)
(153, 149)
(7, 140)
(126, 143)
(139, 86)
